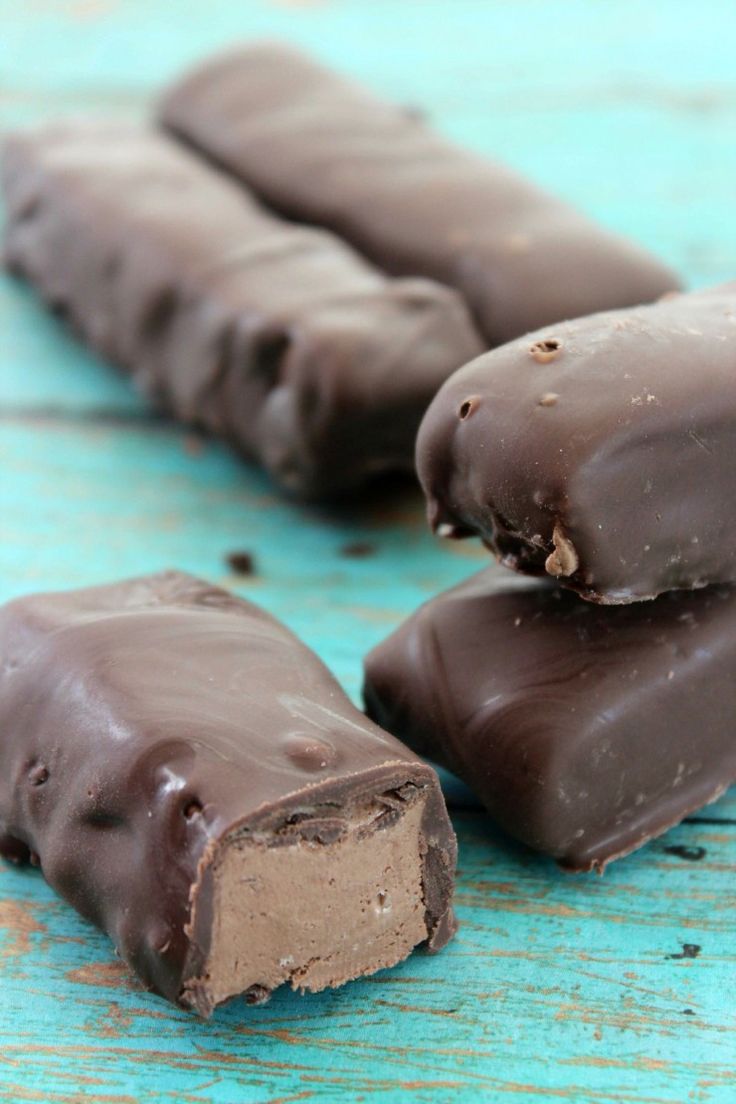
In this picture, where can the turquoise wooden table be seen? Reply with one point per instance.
(576, 988)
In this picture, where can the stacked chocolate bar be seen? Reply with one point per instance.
(595, 707)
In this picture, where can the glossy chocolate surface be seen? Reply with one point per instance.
(584, 730)
(601, 451)
(323, 150)
(277, 337)
(144, 721)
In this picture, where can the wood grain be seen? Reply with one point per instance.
(575, 988)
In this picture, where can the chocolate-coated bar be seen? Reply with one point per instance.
(275, 336)
(584, 731)
(321, 149)
(601, 451)
(191, 778)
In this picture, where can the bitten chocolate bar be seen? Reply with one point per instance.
(275, 336)
(190, 777)
(601, 451)
(584, 731)
(321, 149)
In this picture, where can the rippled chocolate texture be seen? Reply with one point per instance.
(321, 149)
(277, 337)
(584, 731)
(601, 451)
(191, 778)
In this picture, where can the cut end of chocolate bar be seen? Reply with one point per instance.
(322, 901)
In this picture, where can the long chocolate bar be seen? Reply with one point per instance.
(584, 731)
(191, 778)
(275, 336)
(601, 451)
(321, 149)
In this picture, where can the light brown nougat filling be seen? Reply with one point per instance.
(315, 914)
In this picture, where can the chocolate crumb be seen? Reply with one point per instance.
(242, 563)
(690, 854)
(358, 550)
(689, 950)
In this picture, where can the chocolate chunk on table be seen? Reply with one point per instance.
(601, 451)
(277, 337)
(322, 149)
(191, 778)
(584, 731)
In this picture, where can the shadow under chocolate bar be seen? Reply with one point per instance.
(277, 337)
(191, 778)
(584, 730)
(600, 451)
(321, 149)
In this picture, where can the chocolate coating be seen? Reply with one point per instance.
(602, 451)
(277, 337)
(584, 731)
(321, 149)
(143, 722)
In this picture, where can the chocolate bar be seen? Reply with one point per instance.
(274, 336)
(323, 150)
(585, 731)
(190, 777)
(601, 451)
